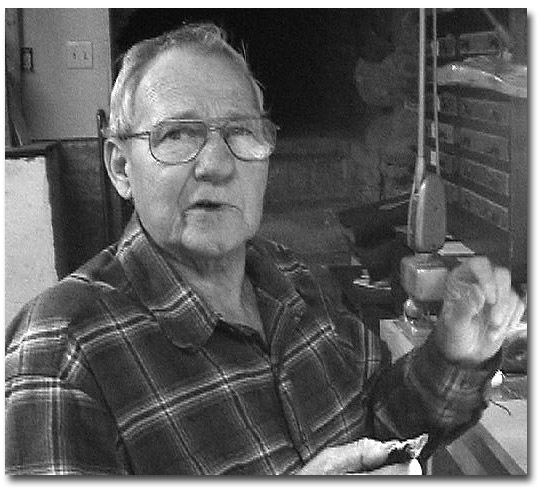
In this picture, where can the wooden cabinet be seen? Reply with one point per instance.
(483, 156)
(483, 159)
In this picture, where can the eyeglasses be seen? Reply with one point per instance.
(177, 141)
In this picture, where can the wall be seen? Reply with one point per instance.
(29, 237)
(58, 102)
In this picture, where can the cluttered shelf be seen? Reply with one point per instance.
(376, 234)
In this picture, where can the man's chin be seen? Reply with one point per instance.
(213, 244)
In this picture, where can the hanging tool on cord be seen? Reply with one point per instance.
(426, 225)
(423, 275)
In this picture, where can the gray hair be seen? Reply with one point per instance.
(205, 37)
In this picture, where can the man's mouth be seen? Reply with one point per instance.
(207, 204)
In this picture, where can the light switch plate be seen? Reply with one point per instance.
(79, 55)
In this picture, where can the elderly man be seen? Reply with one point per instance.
(194, 347)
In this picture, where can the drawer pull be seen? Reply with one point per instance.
(493, 151)
(495, 116)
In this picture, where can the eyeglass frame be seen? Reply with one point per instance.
(209, 128)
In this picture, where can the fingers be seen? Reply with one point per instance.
(476, 283)
(506, 299)
(364, 454)
(508, 308)
(518, 314)
(370, 454)
(513, 314)
(464, 297)
(494, 283)
(482, 271)
(413, 467)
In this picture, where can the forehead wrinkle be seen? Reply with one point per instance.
(208, 102)
(174, 89)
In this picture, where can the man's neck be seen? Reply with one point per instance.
(220, 277)
(223, 284)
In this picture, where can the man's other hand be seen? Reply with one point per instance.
(359, 456)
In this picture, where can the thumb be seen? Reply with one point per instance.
(364, 454)
(463, 299)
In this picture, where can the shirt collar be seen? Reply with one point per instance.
(184, 317)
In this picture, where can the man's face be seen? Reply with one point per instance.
(173, 202)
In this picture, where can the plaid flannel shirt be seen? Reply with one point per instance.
(122, 369)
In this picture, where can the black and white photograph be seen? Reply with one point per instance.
(266, 241)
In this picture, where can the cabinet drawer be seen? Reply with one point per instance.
(485, 176)
(446, 47)
(487, 42)
(447, 162)
(446, 132)
(452, 192)
(448, 103)
(496, 112)
(484, 208)
(486, 144)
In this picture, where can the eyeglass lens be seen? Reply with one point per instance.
(178, 141)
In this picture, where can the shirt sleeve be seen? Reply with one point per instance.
(425, 392)
(54, 430)
(421, 392)
(55, 423)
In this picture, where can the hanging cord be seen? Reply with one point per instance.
(420, 163)
(420, 160)
(434, 50)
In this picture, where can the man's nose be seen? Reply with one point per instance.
(215, 162)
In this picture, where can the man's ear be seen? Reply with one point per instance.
(117, 163)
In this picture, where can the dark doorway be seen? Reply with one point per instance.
(304, 58)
